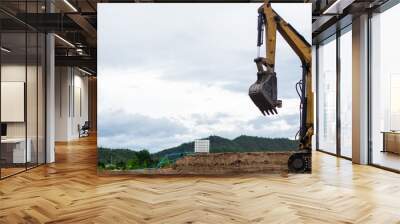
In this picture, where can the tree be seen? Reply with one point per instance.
(110, 167)
(144, 158)
(101, 165)
(121, 165)
(133, 163)
(164, 162)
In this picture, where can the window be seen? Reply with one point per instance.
(346, 93)
(327, 97)
(385, 89)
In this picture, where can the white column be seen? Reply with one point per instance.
(360, 89)
(50, 92)
(50, 99)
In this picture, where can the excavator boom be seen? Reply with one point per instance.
(264, 92)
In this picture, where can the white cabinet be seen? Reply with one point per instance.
(19, 154)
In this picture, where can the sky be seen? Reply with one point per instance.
(172, 73)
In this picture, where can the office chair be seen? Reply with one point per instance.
(84, 130)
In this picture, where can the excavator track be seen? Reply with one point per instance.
(300, 162)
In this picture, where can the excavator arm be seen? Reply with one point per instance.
(264, 91)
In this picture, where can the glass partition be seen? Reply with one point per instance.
(385, 89)
(23, 91)
(14, 153)
(327, 97)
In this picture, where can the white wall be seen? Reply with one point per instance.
(71, 102)
(80, 110)
(17, 73)
(10, 73)
(62, 81)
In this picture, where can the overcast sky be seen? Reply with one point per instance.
(172, 73)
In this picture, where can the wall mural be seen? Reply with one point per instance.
(173, 90)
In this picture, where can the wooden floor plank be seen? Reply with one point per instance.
(69, 191)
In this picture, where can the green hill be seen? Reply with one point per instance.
(181, 149)
(242, 143)
(253, 143)
(121, 159)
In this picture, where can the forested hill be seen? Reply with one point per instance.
(240, 144)
(121, 159)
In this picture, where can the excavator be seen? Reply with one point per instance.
(264, 92)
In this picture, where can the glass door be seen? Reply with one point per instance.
(327, 95)
(14, 153)
(22, 78)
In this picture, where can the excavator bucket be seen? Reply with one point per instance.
(264, 93)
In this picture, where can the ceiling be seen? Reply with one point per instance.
(75, 21)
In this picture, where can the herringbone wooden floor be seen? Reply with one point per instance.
(70, 191)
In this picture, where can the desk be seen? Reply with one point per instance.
(15, 148)
(391, 141)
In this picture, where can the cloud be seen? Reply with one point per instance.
(121, 123)
(275, 123)
(186, 76)
(120, 129)
(203, 119)
(137, 131)
(216, 46)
